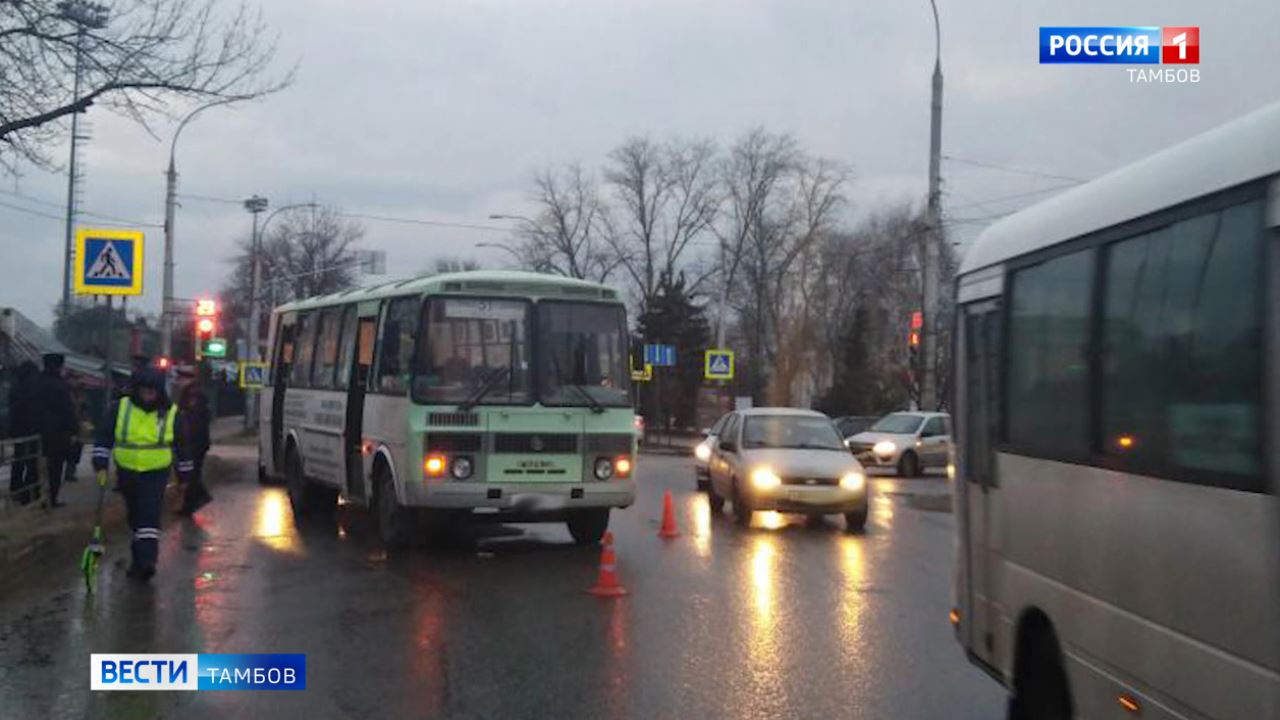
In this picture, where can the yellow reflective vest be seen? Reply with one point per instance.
(143, 440)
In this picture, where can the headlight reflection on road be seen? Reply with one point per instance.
(701, 525)
(272, 524)
(762, 558)
(852, 599)
(771, 519)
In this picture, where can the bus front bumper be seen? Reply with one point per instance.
(530, 499)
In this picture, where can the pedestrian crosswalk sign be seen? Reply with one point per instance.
(108, 262)
(718, 365)
(253, 375)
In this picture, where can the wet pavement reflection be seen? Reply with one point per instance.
(787, 618)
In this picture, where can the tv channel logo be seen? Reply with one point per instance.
(1137, 45)
(149, 671)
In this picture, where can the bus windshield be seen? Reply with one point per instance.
(473, 350)
(582, 354)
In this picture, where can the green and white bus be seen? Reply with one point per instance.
(503, 394)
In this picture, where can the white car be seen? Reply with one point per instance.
(787, 460)
(907, 442)
(702, 453)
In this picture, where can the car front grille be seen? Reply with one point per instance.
(860, 447)
(813, 481)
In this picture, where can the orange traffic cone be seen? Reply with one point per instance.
(607, 584)
(668, 529)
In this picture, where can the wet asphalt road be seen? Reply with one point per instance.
(785, 619)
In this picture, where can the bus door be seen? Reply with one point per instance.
(361, 350)
(980, 378)
(279, 381)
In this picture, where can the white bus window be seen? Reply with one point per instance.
(474, 347)
(396, 351)
(584, 354)
(1182, 344)
(327, 349)
(1048, 373)
(304, 351)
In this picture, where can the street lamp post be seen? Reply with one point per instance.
(255, 205)
(929, 336)
(171, 189)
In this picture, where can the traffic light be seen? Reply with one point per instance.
(206, 325)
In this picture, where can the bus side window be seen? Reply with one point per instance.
(284, 347)
(305, 351)
(396, 353)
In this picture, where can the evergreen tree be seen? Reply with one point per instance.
(672, 318)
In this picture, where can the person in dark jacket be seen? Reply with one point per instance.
(23, 422)
(192, 442)
(56, 420)
(138, 434)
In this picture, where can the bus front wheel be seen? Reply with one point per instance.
(395, 522)
(588, 526)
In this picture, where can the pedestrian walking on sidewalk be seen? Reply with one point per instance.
(193, 441)
(138, 433)
(57, 421)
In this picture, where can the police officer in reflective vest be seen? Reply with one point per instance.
(138, 435)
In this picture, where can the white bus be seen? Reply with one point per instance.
(1116, 401)
(497, 393)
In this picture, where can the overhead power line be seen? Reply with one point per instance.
(1014, 170)
(371, 217)
(127, 222)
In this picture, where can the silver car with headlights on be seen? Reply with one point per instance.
(907, 442)
(787, 460)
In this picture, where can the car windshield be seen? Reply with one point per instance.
(790, 431)
(473, 349)
(901, 423)
(583, 354)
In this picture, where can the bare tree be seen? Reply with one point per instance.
(568, 234)
(667, 198)
(307, 252)
(452, 264)
(749, 178)
(133, 56)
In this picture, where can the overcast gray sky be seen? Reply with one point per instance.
(441, 110)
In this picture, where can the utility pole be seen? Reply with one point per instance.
(85, 16)
(170, 201)
(255, 205)
(933, 237)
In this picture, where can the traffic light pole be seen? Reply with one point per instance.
(933, 238)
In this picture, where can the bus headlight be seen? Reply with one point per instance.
(764, 478)
(854, 481)
(603, 468)
(884, 448)
(462, 468)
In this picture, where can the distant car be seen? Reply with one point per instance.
(702, 453)
(908, 442)
(850, 425)
(787, 460)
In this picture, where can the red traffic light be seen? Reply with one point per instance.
(917, 320)
(162, 363)
(204, 326)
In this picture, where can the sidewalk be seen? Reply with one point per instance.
(25, 531)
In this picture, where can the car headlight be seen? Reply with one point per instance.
(603, 468)
(462, 468)
(854, 481)
(702, 451)
(884, 447)
(764, 478)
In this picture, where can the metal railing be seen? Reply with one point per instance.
(21, 459)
